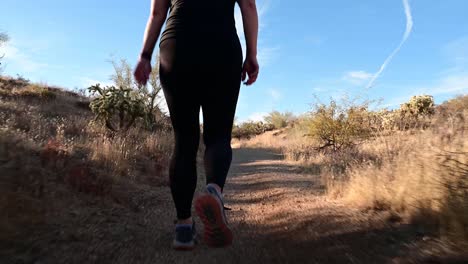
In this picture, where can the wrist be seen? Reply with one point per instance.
(145, 55)
(251, 55)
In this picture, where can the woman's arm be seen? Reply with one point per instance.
(156, 20)
(250, 19)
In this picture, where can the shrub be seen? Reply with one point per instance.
(279, 120)
(339, 126)
(454, 110)
(458, 104)
(35, 91)
(250, 129)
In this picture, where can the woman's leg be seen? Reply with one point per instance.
(184, 109)
(218, 116)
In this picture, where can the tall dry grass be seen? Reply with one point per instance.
(39, 115)
(54, 160)
(421, 176)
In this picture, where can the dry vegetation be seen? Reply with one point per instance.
(52, 154)
(416, 168)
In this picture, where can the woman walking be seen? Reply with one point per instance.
(200, 67)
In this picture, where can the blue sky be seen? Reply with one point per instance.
(307, 49)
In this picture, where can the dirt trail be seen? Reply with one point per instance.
(279, 215)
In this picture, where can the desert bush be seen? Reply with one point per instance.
(279, 120)
(457, 105)
(35, 91)
(453, 111)
(336, 126)
(250, 129)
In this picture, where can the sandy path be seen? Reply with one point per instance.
(279, 215)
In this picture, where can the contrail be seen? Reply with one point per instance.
(409, 28)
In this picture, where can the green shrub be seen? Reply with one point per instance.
(279, 120)
(336, 126)
(250, 129)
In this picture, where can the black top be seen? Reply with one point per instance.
(199, 20)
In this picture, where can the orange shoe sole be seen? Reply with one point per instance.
(217, 234)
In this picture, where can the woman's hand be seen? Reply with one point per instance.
(156, 19)
(142, 71)
(250, 18)
(251, 69)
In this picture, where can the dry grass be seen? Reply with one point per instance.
(422, 178)
(138, 154)
(419, 176)
(52, 155)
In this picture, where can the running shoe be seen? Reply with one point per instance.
(210, 208)
(185, 235)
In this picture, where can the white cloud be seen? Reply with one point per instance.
(274, 94)
(20, 59)
(454, 84)
(256, 117)
(450, 85)
(357, 77)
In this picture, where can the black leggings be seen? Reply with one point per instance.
(194, 76)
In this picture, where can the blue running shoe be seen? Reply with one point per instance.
(185, 236)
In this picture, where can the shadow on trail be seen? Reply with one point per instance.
(280, 215)
(302, 244)
(257, 169)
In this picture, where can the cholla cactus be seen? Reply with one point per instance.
(414, 112)
(117, 108)
(389, 119)
(420, 105)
